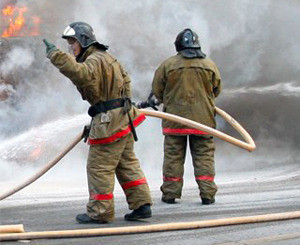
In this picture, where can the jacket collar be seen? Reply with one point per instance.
(85, 53)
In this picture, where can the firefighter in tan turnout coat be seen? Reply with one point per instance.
(103, 82)
(187, 85)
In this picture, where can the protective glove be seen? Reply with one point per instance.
(49, 47)
(86, 132)
(153, 103)
(150, 102)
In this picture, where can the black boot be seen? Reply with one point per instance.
(142, 212)
(169, 201)
(85, 219)
(206, 201)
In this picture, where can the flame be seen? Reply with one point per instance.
(9, 10)
(18, 24)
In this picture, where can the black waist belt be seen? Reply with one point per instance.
(105, 106)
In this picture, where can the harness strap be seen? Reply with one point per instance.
(105, 106)
(113, 104)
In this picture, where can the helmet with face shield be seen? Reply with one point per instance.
(84, 34)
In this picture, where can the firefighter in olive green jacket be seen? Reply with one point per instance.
(102, 81)
(187, 85)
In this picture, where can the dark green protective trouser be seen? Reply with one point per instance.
(202, 150)
(106, 161)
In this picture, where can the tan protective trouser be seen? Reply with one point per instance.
(202, 150)
(106, 161)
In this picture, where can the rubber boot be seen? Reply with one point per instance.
(143, 212)
(85, 219)
(169, 201)
(206, 201)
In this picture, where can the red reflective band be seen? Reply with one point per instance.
(182, 131)
(171, 178)
(119, 134)
(101, 197)
(205, 177)
(134, 183)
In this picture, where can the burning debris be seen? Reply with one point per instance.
(17, 23)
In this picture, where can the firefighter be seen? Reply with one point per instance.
(187, 85)
(103, 82)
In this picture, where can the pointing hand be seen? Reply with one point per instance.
(49, 46)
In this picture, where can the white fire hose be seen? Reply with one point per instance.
(248, 145)
(149, 228)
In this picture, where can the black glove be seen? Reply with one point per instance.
(49, 46)
(86, 132)
(150, 102)
(153, 103)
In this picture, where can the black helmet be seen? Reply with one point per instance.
(84, 34)
(188, 44)
(186, 39)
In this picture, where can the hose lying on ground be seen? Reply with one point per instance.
(11, 228)
(150, 228)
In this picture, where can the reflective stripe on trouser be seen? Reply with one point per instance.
(202, 151)
(173, 166)
(104, 162)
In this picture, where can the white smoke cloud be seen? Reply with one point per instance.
(284, 89)
(7, 89)
(18, 58)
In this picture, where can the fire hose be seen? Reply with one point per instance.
(11, 228)
(248, 145)
(150, 228)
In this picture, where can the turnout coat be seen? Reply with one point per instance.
(187, 88)
(99, 77)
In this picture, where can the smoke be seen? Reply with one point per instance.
(281, 89)
(254, 43)
(18, 58)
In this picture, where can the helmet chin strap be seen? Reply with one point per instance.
(80, 54)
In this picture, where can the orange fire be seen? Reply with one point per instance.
(9, 10)
(16, 23)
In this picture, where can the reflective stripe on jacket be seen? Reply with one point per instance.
(187, 88)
